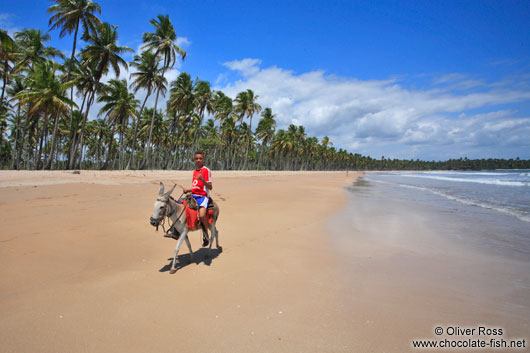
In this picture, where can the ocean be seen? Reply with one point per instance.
(486, 211)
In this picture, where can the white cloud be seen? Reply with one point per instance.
(379, 116)
(246, 67)
(6, 23)
(183, 42)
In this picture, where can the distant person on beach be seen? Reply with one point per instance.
(200, 190)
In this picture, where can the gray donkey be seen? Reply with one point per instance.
(167, 207)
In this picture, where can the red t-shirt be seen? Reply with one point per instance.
(198, 187)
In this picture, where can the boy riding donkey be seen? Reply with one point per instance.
(200, 190)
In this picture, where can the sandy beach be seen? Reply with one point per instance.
(82, 270)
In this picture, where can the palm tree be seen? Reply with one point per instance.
(103, 51)
(148, 77)
(181, 104)
(32, 48)
(147, 122)
(265, 130)
(280, 146)
(310, 147)
(300, 136)
(87, 86)
(162, 42)
(45, 94)
(222, 106)
(6, 42)
(67, 16)
(7, 54)
(203, 103)
(228, 127)
(246, 104)
(120, 105)
(18, 85)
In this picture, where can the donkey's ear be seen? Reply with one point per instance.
(170, 191)
(161, 190)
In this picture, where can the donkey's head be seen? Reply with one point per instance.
(161, 206)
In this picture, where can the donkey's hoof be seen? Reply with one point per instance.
(220, 248)
(172, 271)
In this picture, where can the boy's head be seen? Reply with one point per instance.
(198, 157)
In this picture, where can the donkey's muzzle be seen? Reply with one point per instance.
(154, 222)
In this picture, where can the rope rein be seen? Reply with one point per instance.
(168, 215)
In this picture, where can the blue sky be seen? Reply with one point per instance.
(403, 79)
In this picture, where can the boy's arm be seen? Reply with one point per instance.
(208, 184)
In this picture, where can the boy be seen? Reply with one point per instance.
(200, 190)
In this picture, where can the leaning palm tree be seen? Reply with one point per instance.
(67, 16)
(162, 42)
(119, 106)
(101, 53)
(46, 94)
(247, 105)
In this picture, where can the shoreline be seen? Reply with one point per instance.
(415, 267)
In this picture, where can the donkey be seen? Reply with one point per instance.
(167, 206)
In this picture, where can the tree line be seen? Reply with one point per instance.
(42, 126)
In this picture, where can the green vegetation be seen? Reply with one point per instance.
(42, 128)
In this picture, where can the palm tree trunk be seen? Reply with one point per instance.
(260, 154)
(42, 137)
(146, 161)
(121, 153)
(174, 162)
(248, 143)
(81, 139)
(136, 130)
(148, 146)
(111, 143)
(49, 162)
(6, 66)
(133, 145)
(17, 134)
(73, 135)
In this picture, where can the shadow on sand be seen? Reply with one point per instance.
(199, 256)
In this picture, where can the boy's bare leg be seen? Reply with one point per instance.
(204, 221)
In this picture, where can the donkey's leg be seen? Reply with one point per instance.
(189, 247)
(211, 227)
(217, 239)
(177, 248)
(214, 234)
